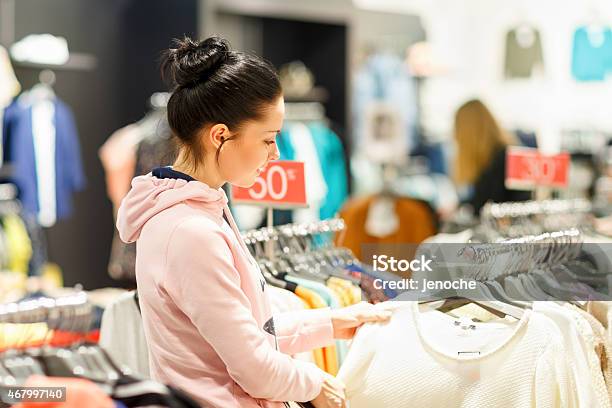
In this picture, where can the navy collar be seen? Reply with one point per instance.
(167, 172)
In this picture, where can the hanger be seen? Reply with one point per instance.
(62, 361)
(499, 309)
(300, 250)
(17, 364)
(519, 256)
(500, 294)
(101, 366)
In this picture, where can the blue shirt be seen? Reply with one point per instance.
(19, 151)
(592, 54)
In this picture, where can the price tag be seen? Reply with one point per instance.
(527, 169)
(280, 185)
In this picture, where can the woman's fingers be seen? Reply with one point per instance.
(375, 316)
(391, 306)
(367, 312)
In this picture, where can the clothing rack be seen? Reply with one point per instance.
(527, 208)
(60, 350)
(288, 231)
(522, 255)
(73, 313)
(300, 248)
(514, 219)
(585, 141)
(316, 227)
(68, 352)
(266, 234)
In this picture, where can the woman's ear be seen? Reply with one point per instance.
(217, 134)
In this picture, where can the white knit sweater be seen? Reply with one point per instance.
(580, 344)
(421, 359)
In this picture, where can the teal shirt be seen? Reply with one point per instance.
(591, 61)
(333, 166)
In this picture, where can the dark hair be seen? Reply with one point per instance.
(213, 84)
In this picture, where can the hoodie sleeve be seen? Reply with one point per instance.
(304, 330)
(204, 283)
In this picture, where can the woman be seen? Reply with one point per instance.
(204, 302)
(481, 156)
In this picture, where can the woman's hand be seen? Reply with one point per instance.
(331, 395)
(347, 320)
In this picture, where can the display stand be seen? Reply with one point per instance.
(528, 169)
(280, 186)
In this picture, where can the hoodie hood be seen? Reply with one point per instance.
(151, 195)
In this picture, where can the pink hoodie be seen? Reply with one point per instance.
(204, 302)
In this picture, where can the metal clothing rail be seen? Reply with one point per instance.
(529, 208)
(521, 255)
(514, 219)
(295, 230)
(301, 250)
(71, 313)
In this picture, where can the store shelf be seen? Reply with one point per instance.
(76, 62)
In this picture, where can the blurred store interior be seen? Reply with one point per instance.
(379, 84)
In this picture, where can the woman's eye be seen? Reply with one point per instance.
(270, 142)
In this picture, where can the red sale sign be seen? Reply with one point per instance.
(280, 185)
(527, 169)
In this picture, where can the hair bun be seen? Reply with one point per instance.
(192, 61)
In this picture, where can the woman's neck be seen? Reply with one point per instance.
(205, 172)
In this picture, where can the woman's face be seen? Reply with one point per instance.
(242, 159)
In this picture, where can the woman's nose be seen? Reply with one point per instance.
(275, 154)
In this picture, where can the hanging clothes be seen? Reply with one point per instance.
(416, 221)
(523, 52)
(10, 88)
(38, 241)
(10, 84)
(328, 155)
(333, 166)
(331, 299)
(352, 293)
(122, 334)
(42, 144)
(133, 151)
(584, 365)
(384, 78)
(330, 359)
(316, 187)
(19, 246)
(425, 359)
(602, 312)
(118, 157)
(592, 53)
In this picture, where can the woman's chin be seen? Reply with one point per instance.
(245, 183)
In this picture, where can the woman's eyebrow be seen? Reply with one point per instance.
(273, 131)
